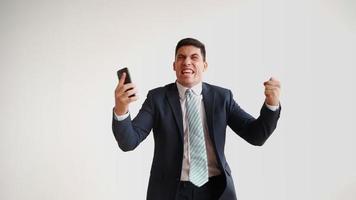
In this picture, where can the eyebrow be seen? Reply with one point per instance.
(194, 54)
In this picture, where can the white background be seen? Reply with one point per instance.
(58, 63)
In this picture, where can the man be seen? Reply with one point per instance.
(189, 120)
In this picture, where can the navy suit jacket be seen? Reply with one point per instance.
(161, 112)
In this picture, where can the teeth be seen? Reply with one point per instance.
(187, 71)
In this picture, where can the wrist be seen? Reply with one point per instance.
(121, 111)
(272, 102)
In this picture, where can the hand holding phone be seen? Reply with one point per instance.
(124, 92)
(127, 77)
(126, 71)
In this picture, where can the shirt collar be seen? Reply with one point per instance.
(196, 89)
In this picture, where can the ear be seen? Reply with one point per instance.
(174, 66)
(205, 66)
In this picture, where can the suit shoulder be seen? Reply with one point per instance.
(161, 90)
(217, 89)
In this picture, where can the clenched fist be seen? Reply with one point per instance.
(272, 91)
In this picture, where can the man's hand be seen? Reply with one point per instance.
(122, 96)
(272, 90)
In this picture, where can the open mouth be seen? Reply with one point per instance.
(187, 72)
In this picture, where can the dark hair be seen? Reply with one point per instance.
(191, 42)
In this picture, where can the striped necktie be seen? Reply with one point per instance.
(198, 173)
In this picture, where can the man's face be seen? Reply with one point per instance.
(189, 66)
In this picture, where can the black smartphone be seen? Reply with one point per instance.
(127, 78)
(121, 71)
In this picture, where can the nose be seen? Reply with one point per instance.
(187, 61)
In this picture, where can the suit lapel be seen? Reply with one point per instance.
(173, 99)
(209, 100)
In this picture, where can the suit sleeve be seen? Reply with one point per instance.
(254, 131)
(130, 133)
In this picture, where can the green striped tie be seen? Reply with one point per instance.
(198, 173)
